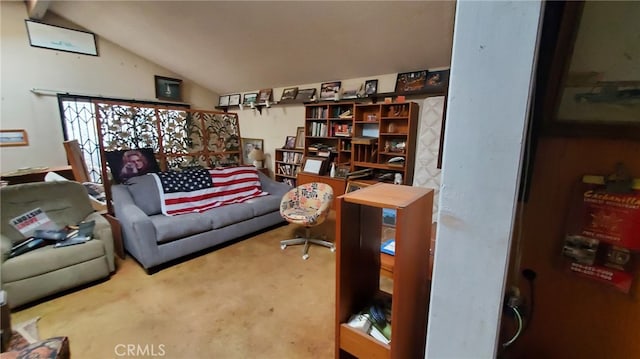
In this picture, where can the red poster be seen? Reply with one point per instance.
(603, 231)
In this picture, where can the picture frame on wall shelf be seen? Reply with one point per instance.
(306, 95)
(248, 145)
(414, 81)
(351, 93)
(328, 90)
(234, 100)
(370, 87)
(289, 94)
(250, 98)
(168, 89)
(437, 79)
(290, 143)
(223, 101)
(9, 138)
(299, 138)
(265, 95)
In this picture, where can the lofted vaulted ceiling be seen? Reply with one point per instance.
(236, 46)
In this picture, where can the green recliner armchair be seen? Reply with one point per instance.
(48, 270)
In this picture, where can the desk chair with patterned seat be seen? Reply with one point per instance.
(307, 205)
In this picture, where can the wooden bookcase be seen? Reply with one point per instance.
(361, 136)
(358, 264)
(287, 165)
(383, 132)
(329, 127)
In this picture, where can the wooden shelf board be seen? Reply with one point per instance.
(285, 176)
(387, 195)
(380, 166)
(361, 344)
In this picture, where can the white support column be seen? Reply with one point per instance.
(493, 57)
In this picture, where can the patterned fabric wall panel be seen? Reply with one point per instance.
(175, 132)
(127, 126)
(426, 173)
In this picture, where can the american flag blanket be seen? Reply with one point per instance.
(202, 189)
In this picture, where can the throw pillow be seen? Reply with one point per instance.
(125, 164)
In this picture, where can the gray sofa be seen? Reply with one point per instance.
(47, 270)
(153, 238)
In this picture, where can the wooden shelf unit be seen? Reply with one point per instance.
(395, 126)
(287, 165)
(364, 136)
(358, 265)
(330, 125)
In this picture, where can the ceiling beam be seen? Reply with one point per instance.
(37, 8)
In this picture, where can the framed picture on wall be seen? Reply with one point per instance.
(168, 89)
(248, 145)
(13, 138)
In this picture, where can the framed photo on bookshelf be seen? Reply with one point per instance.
(315, 165)
(290, 143)
(299, 138)
(411, 81)
(389, 217)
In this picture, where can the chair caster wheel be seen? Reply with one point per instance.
(333, 249)
(305, 257)
(283, 246)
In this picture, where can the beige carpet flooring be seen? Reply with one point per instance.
(246, 300)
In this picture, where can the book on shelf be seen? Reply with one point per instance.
(388, 247)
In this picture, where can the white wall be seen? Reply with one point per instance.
(115, 73)
(491, 71)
